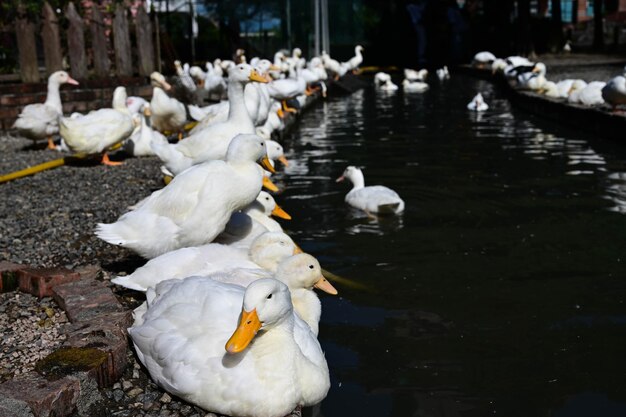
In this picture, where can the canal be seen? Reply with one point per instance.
(501, 289)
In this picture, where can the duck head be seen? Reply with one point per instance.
(270, 207)
(352, 173)
(158, 80)
(248, 147)
(303, 271)
(266, 304)
(269, 248)
(244, 73)
(61, 77)
(275, 152)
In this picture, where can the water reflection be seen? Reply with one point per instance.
(511, 224)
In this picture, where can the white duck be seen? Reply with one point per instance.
(388, 86)
(412, 75)
(371, 199)
(591, 95)
(212, 142)
(498, 66)
(477, 103)
(614, 92)
(168, 114)
(287, 88)
(136, 104)
(41, 121)
(550, 89)
(333, 65)
(353, 63)
(158, 80)
(189, 341)
(266, 252)
(533, 80)
(443, 73)
(185, 78)
(483, 59)
(214, 81)
(195, 206)
(254, 220)
(414, 86)
(301, 273)
(274, 121)
(139, 143)
(97, 131)
(381, 78)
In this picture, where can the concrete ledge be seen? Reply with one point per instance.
(598, 120)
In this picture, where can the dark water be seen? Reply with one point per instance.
(501, 289)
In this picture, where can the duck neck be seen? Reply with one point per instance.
(53, 99)
(237, 105)
(358, 181)
(308, 306)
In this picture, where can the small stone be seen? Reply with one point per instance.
(135, 374)
(165, 398)
(118, 394)
(126, 385)
(117, 385)
(134, 392)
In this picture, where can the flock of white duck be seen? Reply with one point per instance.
(528, 75)
(230, 321)
(414, 81)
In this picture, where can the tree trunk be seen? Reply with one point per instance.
(556, 11)
(101, 61)
(76, 43)
(145, 46)
(121, 39)
(51, 40)
(525, 42)
(25, 34)
(598, 25)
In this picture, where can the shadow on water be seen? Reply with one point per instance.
(501, 288)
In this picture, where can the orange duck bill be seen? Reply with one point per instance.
(249, 325)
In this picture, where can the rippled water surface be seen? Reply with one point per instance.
(501, 289)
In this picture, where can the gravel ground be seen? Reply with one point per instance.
(30, 331)
(48, 220)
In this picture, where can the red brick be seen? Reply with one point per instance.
(9, 276)
(41, 281)
(9, 112)
(45, 398)
(107, 334)
(86, 299)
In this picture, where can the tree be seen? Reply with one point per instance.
(598, 25)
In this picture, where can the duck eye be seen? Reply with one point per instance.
(282, 243)
(269, 296)
(311, 267)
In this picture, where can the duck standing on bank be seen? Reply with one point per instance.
(376, 199)
(97, 131)
(195, 207)
(41, 121)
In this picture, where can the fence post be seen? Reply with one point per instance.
(25, 34)
(101, 61)
(145, 46)
(76, 43)
(121, 39)
(51, 40)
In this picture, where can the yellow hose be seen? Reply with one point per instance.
(55, 163)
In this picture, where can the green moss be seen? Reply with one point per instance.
(66, 361)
